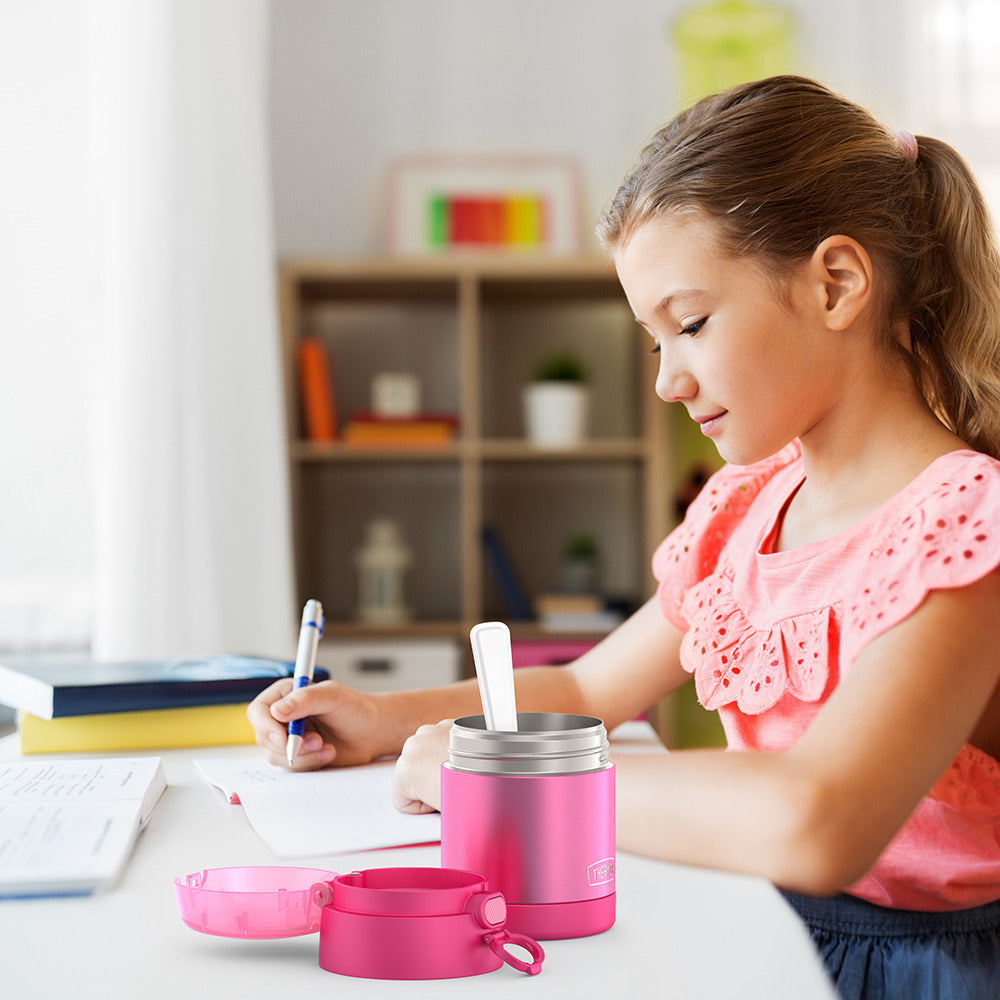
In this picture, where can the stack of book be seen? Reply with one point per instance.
(73, 704)
(420, 431)
(576, 613)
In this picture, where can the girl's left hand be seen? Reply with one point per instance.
(416, 782)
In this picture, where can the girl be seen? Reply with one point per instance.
(824, 298)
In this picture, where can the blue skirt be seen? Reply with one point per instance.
(875, 953)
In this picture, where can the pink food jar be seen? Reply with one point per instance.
(535, 811)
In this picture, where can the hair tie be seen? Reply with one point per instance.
(908, 143)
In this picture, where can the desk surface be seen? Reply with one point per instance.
(689, 931)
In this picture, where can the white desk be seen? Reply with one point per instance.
(680, 932)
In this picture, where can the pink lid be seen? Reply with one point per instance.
(408, 891)
(417, 923)
(251, 902)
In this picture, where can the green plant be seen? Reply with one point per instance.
(562, 367)
(582, 545)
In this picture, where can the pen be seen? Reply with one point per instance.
(305, 662)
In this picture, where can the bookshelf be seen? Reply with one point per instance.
(472, 329)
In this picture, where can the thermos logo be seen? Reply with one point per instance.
(601, 871)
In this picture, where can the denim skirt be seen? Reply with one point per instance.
(875, 953)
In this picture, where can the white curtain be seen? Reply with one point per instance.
(191, 538)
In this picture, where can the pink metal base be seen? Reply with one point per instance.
(550, 921)
(547, 842)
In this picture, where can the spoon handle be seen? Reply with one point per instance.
(495, 669)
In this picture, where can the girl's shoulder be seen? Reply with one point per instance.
(948, 518)
(948, 515)
(941, 532)
(958, 476)
(691, 551)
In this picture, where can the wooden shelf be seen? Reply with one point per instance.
(595, 450)
(458, 630)
(497, 449)
(472, 327)
(337, 451)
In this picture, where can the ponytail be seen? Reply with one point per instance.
(954, 306)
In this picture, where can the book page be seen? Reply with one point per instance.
(335, 811)
(68, 826)
(74, 779)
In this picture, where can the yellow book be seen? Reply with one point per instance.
(156, 729)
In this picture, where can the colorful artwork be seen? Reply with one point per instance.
(472, 220)
(454, 204)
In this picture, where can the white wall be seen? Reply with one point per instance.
(358, 83)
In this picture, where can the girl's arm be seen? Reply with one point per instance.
(816, 817)
(625, 673)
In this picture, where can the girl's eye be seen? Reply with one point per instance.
(655, 349)
(692, 328)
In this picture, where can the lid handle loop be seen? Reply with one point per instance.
(499, 941)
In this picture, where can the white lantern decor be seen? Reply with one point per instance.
(382, 564)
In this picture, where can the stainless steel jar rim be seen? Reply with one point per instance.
(545, 742)
(529, 767)
(544, 755)
(553, 724)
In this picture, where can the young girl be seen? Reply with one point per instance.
(824, 298)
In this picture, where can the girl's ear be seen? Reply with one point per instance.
(842, 276)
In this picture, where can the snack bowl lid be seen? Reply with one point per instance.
(251, 902)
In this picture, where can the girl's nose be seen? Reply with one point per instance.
(673, 383)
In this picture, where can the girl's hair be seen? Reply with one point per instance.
(781, 164)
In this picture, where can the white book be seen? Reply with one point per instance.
(68, 826)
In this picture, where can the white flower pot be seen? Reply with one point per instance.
(556, 413)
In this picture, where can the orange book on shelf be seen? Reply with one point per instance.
(400, 433)
(316, 389)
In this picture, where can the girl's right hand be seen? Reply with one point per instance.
(341, 724)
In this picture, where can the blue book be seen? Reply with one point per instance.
(506, 578)
(51, 686)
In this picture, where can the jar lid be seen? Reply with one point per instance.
(251, 902)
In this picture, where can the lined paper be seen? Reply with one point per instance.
(335, 811)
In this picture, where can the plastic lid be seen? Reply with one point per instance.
(251, 902)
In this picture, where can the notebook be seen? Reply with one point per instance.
(69, 826)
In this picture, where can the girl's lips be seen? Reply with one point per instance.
(709, 424)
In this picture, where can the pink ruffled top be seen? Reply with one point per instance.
(768, 635)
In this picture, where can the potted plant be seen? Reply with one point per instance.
(578, 565)
(557, 402)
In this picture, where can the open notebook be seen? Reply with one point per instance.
(336, 811)
(68, 826)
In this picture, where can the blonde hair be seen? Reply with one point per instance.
(780, 164)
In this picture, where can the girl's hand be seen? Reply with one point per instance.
(342, 725)
(416, 782)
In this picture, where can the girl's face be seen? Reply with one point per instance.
(754, 371)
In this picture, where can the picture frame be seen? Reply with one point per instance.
(461, 204)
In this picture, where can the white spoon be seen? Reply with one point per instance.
(495, 670)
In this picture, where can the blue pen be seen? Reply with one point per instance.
(305, 662)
